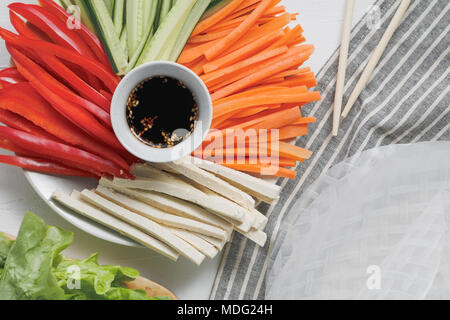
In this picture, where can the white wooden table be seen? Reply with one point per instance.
(322, 21)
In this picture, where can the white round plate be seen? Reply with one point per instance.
(45, 185)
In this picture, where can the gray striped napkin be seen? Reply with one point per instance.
(406, 101)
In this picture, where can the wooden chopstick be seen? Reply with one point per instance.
(340, 81)
(375, 58)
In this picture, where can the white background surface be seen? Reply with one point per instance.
(321, 20)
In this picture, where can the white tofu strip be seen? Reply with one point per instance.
(145, 225)
(257, 236)
(115, 224)
(258, 188)
(260, 220)
(210, 181)
(249, 216)
(159, 216)
(219, 244)
(178, 188)
(197, 242)
(172, 205)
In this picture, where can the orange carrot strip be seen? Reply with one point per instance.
(217, 17)
(194, 52)
(198, 67)
(293, 131)
(307, 79)
(249, 8)
(243, 103)
(304, 120)
(287, 150)
(239, 32)
(210, 36)
(266, 70)
(261, 161)
(254, 90)
(250, 112)
(258, 169)
(290, 73)
(289, 37)
(217, 76)
(282, 118)
(243, 52)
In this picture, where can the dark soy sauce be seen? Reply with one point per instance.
(161, 111)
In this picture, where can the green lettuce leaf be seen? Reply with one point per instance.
(5, 246)
(86, 279)
(32, 268)
(27, 273)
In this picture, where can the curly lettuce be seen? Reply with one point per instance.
(32, 268)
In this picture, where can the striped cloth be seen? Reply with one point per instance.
(406, 101)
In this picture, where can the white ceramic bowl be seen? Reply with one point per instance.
(120, 124)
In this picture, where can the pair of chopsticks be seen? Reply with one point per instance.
(367, 73)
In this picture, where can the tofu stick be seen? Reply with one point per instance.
(115, 224)
(146, 225)
(210, 181)
(159, 216)
(219, 244)
(258, 188)
(257, 236)
(178, 188)
(172, 205)
(197, 242)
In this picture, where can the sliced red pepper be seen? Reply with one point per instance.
(19, 151)
(79, 116)
(90, 38)
(58, 88)
(43, 166)
(89, 65)
(59, 68)
(56, 30)
(12, 73)
(62, 152)
(19, 99)
(15, 121)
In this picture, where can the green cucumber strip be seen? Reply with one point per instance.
(215, 6)
(66, 3)
(119, 6)
(168, 47)
(86, 18)
(135, 22)
(123, 40)
(58, 2)
(165, 8)
(147, 35)
(176, 16)
(107, 33)
(110, 6)
(189, 26)
(158, 14)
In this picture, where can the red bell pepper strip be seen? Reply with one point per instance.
(62, 152)
(11, 73)
(89, 38)
(19, 151)
(43, 166)
(79, 116)
(59, 68)
(55, 30)
(15, 121)
(20, 97)
(58, 88)
(89, 65)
